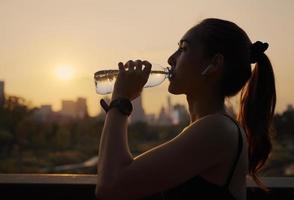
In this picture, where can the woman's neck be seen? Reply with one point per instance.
(200, 107)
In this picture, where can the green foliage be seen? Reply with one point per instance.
(5, 137)
(29, 146)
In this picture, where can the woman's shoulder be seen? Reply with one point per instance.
(214, 127)
(218, 122)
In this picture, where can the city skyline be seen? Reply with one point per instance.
(67, 105)
(139, 110)
(50, 50)
(169, 114)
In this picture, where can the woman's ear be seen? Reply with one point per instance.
(216, 64)
(218, 61)
(206, 70)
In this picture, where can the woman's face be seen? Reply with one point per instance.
(187, 63)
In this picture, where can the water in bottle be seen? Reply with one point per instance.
(105, 79)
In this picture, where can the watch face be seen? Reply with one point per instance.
(123, 105)
(126, 106)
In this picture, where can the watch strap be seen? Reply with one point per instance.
(104, 105)
(117, 104)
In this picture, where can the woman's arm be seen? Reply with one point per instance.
(202, 145)
(114, 153)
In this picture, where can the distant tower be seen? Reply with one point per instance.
(2, 95)
(181, 114)
(163, 118)
(138, 113)
(169, 105)
(68, 108)
(81, 108)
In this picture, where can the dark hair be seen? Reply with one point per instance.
(258, 94)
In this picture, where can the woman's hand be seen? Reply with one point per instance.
(131, 79)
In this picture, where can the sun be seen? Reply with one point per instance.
(64, 72)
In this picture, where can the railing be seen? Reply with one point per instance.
(71, 186)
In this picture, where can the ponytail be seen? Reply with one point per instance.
(258, 100)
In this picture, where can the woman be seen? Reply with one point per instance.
(211, 157)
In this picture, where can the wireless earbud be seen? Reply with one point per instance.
(207, 69)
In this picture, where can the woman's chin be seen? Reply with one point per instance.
(173, 90)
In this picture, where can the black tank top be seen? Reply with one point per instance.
(199, 188)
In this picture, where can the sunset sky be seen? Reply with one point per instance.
(49, 49)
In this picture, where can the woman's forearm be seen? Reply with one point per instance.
(114, 153)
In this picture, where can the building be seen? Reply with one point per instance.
(46, 109)
(2, 94)
(74, 109)
(43, 113)
(173, 114)
(81, 108)
(169, 105)
(167, 116)
(164, 118)
(68, 108)
(138, 113)
(151, 119)
(180, 114)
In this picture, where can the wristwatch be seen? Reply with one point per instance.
(123, 105)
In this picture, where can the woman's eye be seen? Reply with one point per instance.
(182, 49)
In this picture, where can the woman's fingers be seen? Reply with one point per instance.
(130, 65)
(147, 68)
(136, 66)
(139, 65)
(121, 67)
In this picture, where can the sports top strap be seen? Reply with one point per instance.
(240, 147)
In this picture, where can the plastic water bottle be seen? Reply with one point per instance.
(105, 79)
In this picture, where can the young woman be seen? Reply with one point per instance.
(211, 157)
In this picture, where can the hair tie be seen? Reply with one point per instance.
(256, 50)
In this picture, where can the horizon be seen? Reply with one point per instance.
(232, 103)
(31, 105)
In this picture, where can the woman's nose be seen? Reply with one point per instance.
(172, 59)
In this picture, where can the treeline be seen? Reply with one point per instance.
(29, 145)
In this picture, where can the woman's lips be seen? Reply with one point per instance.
(171, 73)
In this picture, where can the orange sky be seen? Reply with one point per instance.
(38, 36)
